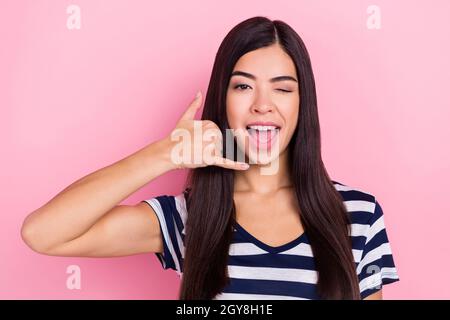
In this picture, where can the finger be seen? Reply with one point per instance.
(189, 114)
(212, 134)
(230, 164)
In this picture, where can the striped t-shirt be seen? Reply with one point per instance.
(259, 271)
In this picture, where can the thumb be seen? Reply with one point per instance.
(189, 114)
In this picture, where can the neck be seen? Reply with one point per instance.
(251, 180)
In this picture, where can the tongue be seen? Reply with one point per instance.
(262, 136)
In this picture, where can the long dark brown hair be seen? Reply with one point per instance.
(209, 190)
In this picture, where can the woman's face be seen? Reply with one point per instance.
(263, 102)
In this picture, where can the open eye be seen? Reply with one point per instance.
(240, 86)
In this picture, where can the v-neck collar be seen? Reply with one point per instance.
(265, 246)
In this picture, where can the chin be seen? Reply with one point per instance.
(258, 150)
(262, 157)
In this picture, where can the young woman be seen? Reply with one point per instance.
(235, 233)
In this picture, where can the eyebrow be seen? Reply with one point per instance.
(250, 76)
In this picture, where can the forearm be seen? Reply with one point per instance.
(76, 208)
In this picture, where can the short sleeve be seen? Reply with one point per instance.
(376, 267)
(171, 213)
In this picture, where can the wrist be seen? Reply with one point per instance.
(162, 149)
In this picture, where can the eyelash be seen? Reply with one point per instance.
(240, 85)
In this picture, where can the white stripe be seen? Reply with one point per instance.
(274, 274)
(375, 254)
(158, 210)
(180, 243)
(244, 249)
(340, 187)
(248, 296)
(376, 279)
(180, 203)
(303, 249)
(375, 228)
(359, 205)
(357, 255)
(358, 230)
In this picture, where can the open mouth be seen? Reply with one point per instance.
(263, 136)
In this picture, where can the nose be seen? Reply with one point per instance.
(262, 104)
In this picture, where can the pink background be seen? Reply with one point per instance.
(74, 101)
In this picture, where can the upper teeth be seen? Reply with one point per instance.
(263, 128)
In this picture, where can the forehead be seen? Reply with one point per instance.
(266, 62)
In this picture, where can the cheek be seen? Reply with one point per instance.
(290, 113)
(294, 117)
(235, 112)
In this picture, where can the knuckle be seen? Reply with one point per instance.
(208, 123)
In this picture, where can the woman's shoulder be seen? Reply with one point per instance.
(359, 201)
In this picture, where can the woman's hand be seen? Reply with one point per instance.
(198, 143)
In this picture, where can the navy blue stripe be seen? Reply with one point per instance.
(356, 195)
(358, 242)
(239, 238)
(379, 239)
(284, 288)
(265, 246)
(385, 261)
(176, 214)
(273, 261)
(169, 214)
(360, 217)
(165, 257)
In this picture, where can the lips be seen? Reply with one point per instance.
(263, 123)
